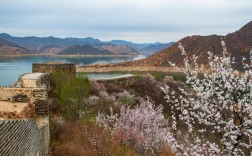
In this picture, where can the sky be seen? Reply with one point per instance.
(141, 21)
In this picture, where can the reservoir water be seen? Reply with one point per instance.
(12, 67)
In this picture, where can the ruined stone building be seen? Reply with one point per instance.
(24, 111)
(24, 121)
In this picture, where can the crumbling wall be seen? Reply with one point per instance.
(36, 97)
(23, 137)
(6, 94)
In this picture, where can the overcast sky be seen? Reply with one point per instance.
(133, 20)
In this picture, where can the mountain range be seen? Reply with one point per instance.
(238, 44)
(6, 47)
(54, 45)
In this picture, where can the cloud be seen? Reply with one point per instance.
(154, 20)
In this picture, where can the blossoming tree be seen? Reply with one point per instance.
(220, 103)
(143, 127)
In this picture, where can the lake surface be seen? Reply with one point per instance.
(12, 67)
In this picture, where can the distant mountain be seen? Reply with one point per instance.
(9, 48)
(53, 45)
(238, 45)
(143, 48)
(117, 49)
(84, 50)
(39, 43)
(5, 42)
(136, 46)
(153, 48)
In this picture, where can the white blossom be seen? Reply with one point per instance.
(143, 126)
(221, 103)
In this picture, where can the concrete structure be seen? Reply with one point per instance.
(24, 121)
(53, 67)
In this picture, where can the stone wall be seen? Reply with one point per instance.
(36, 97)
(6, 94)
(52, 67)
(122, 82)
(110, 68)
(23, 138)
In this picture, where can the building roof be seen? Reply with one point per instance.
(32, 76)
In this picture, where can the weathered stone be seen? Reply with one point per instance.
(19, 98)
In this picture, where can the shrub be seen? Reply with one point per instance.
(148, 86)
(71, 93)
(92, 100)
(142, 127)
(96, 87)
(125, 98)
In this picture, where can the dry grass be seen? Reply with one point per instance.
(82, 138)
(87, 139)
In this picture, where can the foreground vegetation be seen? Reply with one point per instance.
(74, 127)
(211, 115)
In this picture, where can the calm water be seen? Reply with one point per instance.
(12, 67)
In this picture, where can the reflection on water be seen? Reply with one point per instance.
(12, 67)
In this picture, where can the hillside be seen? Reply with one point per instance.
(84, 50)
(238, 45)
(9, 48)
(136, 46)
(51, 49)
